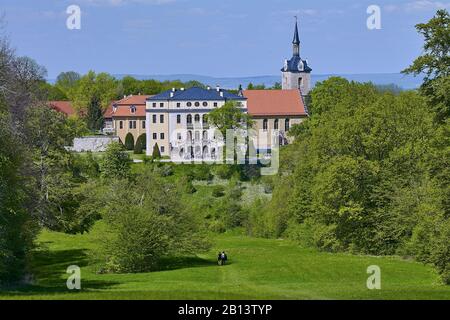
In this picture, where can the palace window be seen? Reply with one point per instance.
(132, 124)
(286, 125)
(215, 104)
(162, 149)
(121, 124)
(189, 119)
(205, 104)
(265, 124)
(161, 118)
(189, 104)
(197, 104)
(178, 105)
(275, 124)
(161, 105)
(155, 136)
(143, 124)
(205, 119)
(154, 118)
(178, 118)
(154, 105)
(197, 118)
(161, 136)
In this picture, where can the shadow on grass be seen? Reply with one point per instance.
(175, 263)
(49, 271)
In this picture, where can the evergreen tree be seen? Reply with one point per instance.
(140, 144)
(156, 153)
(129, 141)
(94, 117)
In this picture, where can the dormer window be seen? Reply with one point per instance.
(301, 66)
(133, 109)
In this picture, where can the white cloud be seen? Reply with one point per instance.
(423, 5)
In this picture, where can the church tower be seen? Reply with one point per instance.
(296, 74)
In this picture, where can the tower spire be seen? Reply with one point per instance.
(296, 41)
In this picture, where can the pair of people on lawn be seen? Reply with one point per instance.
(222, 258)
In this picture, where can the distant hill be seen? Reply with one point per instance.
(405, 82)
(398, 79)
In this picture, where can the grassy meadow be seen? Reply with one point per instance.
(258, 269)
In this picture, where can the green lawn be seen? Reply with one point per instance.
(258, 269)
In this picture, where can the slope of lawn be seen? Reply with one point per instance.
(258, 269)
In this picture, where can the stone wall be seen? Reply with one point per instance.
(93, 144)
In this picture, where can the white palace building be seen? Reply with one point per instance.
(177, 120)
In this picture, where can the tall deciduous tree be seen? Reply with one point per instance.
(92, 96)
(435, 63)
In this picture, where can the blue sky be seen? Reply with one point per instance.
(216, 38)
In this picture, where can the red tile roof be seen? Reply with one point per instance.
(275, 103)
(123, 107)
(62, 106)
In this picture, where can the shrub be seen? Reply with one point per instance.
(430, 244)
(202, 172)
(156, 153)
(116, 162)
(146, 221)
(224, 171)
(141, 144)
(164, 170)
(129, 141)
(218, 191)
(137, 149)
(249, 172)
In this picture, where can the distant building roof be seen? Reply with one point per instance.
(62, 106)
(275, 103)
(196, 93)
(130, 106)
(296, 65)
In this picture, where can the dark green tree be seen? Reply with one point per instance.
(94, 116)
(129, 141)
(156, 154)
(141, 144)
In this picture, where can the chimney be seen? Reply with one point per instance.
(218, 88)
(173, 89)
(171, 94)
(221, 94)
(182, 89)
(208, 88)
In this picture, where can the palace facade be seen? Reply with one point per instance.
(178, 119)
